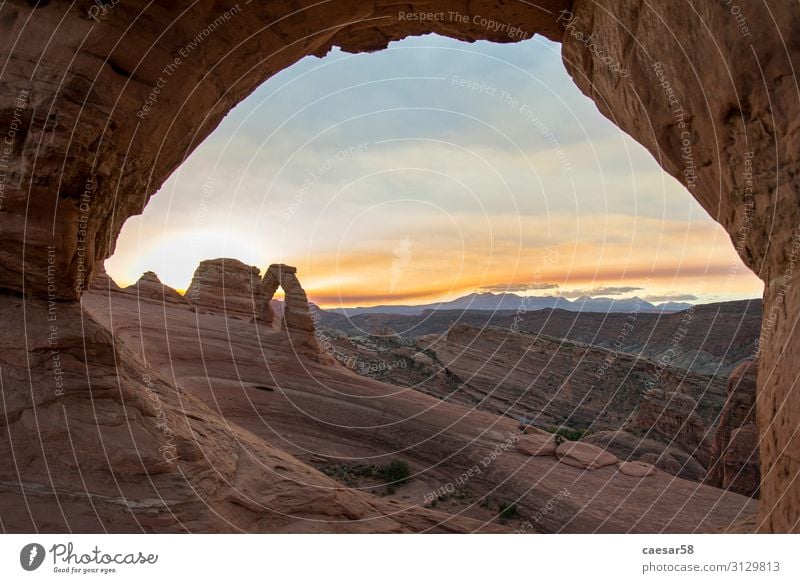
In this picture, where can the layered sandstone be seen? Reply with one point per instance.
(549, 381)
(664, 455)
(734, 455)
(103, 282)
(149, 288)
(671, 417)
(584, 455)
(715, 338)
(297, 319)
(729, 134)
(320, 415)
(226, 286)
(153, 458)
(667, 431)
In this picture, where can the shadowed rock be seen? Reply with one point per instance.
(734, 454)
(149, 287)
(103, 282)
(671, 417)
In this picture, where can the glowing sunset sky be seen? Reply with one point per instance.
(431, 170)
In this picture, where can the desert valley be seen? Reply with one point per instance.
(448, 421)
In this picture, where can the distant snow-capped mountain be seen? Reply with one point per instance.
(510, 301)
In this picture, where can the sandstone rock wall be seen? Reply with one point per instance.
(149, 287)
(103, 282)
(132, 102)
(734, 456)
(226, 286)
(671, 418)
(715, 102)
(297, 320)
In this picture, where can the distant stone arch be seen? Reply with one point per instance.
(297, 319)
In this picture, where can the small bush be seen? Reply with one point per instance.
(567, 432)
(507, 511)
(395, 472)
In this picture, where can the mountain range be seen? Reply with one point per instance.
(513, 302)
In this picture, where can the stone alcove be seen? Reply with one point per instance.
(104, 103)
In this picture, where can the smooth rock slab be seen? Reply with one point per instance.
(536, 444)
(636, 469)
(584, 455)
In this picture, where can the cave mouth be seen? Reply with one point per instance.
(429, 171)
(481, 171)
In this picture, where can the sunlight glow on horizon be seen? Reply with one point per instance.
(386, 180)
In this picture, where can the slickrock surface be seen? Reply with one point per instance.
(536, 445)
(636, 469)
(291, 411)
(734, 455)
(149, 287)
(154, 458)
(547, 381)
(226, 286)
(584, 455)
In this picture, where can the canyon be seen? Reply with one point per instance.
(328, 422)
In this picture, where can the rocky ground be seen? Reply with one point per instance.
(266, 438)
(712, 338)
(649, 387)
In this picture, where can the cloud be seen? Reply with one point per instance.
(671, 298)
(518, 287)
(600, 291)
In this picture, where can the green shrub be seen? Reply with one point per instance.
(567, 432)
(395, 472)
(507, 511)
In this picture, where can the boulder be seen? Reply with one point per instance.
(664, 462)
(536, 445)
(667, 457)
(584, 455)
(636, 469)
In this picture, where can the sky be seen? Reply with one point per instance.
(428, 171)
